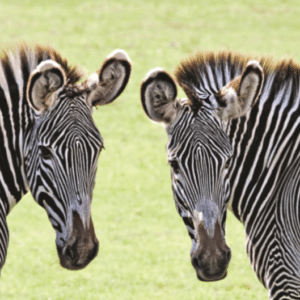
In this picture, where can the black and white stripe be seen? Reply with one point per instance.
(60, 161)
(264, 168)
(250, 163)
(49, 143)
(264, 176)
(20, 136)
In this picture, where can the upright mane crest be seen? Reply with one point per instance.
(72, 72)
(205, 73)
(41, 53)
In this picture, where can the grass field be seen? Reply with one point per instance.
(144, 246)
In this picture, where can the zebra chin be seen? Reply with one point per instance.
(81, 247)
(207, 270)
(215, 277)
(73, 261)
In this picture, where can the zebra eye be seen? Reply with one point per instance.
(45, 152)
(227, 164)
(175, 166)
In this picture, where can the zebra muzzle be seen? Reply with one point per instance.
(211, 257)
(81, 247)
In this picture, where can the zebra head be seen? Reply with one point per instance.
(62, 146)
(199, 153)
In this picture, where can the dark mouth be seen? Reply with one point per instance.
(73, 267)
(216, 277)
(69, 258)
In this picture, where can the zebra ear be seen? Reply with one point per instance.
(158, 94)
(110, 81)
(240, 94)
(43, 82)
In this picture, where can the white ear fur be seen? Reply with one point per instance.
(44, 81)
(110, 80)
(251, 82)
(240, 94)
(158, 94)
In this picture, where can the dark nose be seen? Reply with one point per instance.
(212, 255)
(81, 247)
(212, 267)
(73, 257)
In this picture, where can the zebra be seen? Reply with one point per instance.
(234, 142)
(49, 143)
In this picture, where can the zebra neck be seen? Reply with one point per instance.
(15, 119)
(13, 182)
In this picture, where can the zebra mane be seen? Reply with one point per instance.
(73, 74)
(206, 72)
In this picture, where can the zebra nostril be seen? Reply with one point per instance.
(95, 250)
(68, 253)
(196, 263)
(228, 255)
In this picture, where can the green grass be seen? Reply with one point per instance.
(144, 246)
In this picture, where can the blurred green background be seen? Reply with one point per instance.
(144, 246)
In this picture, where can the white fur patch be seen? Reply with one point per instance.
(153, 73)
(47, 65)
(254, 63)
(92, 81)
(207, 213)
(119, 54)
